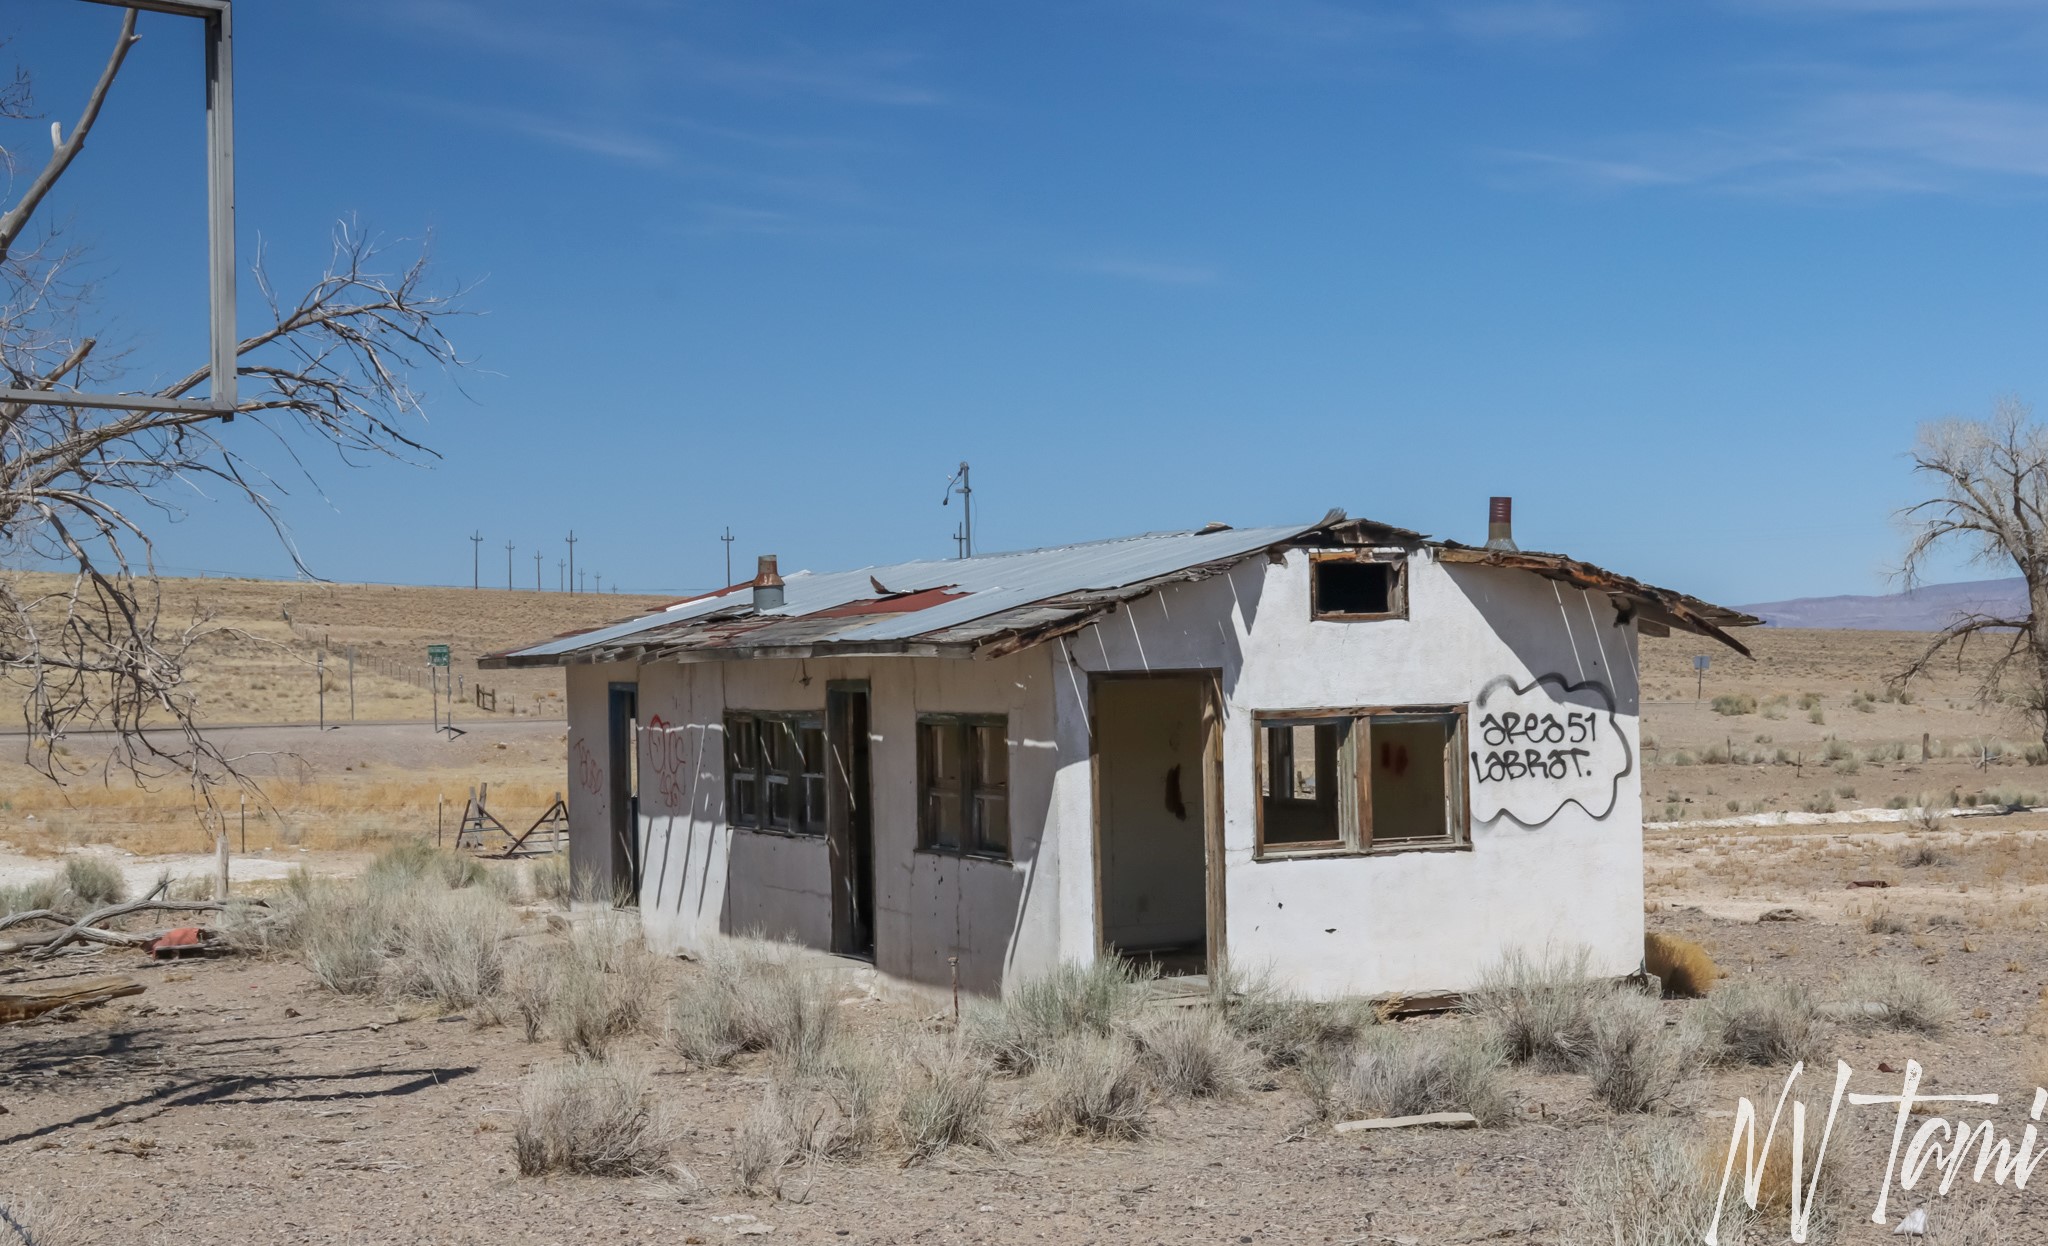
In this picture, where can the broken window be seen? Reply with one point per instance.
(963, 782)
(1351, 586)
(1357, 781)
(775, 772)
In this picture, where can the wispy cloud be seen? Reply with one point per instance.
(1843, 143)
(1151, 271)
(593, 136)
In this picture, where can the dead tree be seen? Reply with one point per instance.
(1992, 501)
(82, 489)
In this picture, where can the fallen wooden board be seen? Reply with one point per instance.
(1441, 1120)
(22, 1000)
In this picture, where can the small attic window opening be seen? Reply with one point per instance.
(1350, 586)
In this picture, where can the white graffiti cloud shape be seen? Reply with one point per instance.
(1535, 748)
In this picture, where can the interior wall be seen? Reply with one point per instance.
(1149, 767)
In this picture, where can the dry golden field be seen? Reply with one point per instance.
(1816, 723)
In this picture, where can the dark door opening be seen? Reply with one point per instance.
(624, 806)
(849, 829)
(1155, 816)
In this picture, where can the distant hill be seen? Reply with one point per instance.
(1925, 609)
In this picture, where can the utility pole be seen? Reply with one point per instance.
(964, 537)
(597, 582)
(561, 577)
(578, 581)
(476, 544)
(572, 560)
(536, 571)
(508, 566)
(727, 538)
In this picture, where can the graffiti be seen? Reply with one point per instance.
(665, 760)
(585, 770)
(1540, 746)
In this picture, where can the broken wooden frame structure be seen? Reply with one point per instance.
(220, 225)
(548, 833)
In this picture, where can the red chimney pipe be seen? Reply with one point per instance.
(1500, 525)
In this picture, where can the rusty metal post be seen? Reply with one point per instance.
(954, 963)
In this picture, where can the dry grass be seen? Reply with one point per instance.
(1683, 966)
(599, 1119)
(1399, 1070)
(32, 1219)
(1192, 1053)
(753, 996)
(1020, 1031)
(1636, 1063)
(590, 989)
(1898, 997)
(1092, 1085)
(1649, 1186)
(1542, 1007)
(1766, 1023)
(947, 1099)
(1279, 1024)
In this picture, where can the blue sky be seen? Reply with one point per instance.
(1681, 277)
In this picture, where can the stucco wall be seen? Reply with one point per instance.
(1411, 921)
(702, 877)
(589, 758)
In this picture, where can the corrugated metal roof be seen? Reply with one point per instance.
(995, 603)
(991, 583)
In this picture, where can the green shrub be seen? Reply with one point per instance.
(1730, 704)
(1542, 1007)
(1403, 1071)
(94, 880)
(1748, 1021)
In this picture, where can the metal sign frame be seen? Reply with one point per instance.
(220, 228)
(437, 655)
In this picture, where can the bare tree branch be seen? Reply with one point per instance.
(85, 488)
(66, 151)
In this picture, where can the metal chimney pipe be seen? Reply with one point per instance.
(1500, 525)
(767, 585)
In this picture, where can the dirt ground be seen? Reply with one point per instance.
(236, 1100)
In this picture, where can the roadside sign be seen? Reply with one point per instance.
(1699, 675)
(1699, 663)
(437, 655)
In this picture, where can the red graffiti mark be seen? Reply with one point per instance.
(665, 760)
(1394, 757)
(585, 770)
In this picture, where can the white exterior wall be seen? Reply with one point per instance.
(702, 878)
(1387, 922)
(589, 755)
(1409, 921)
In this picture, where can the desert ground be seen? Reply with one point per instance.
(247, 1097)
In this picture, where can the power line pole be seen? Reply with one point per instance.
(597, 582)
(476, 544)
(536, 571)
(561, 577)
(578, 581)
(508, 566)
(964, 537)
(572, 560)
(727, 538)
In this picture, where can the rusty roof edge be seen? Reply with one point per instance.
(1692, 613)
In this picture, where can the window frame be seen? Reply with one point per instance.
(1355, 837)
(792, 777)
(1396, 562)
(971, 792)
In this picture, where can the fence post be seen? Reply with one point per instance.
(351, 683)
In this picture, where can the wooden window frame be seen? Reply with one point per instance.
(804, 822)
(1355, 836)
(1397, 592)
(971, 846)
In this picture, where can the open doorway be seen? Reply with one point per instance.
(849, 829)
(622, 729)
(1157, 812)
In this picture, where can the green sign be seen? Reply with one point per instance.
(437, 655)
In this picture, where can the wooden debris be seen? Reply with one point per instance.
(22, 1000)
(1440, 1120)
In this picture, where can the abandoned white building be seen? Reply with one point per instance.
(1364, 759)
